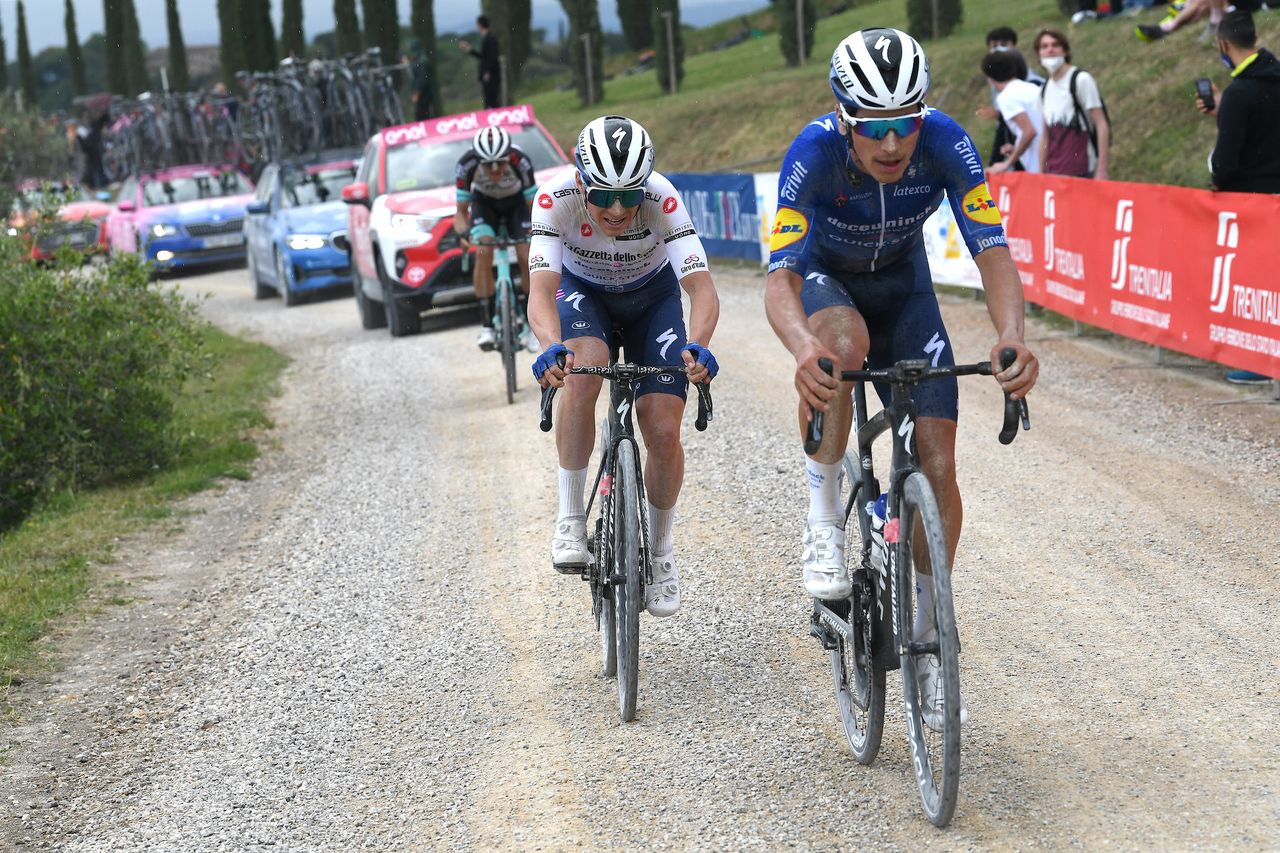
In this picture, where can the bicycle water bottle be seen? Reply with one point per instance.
(879, 552)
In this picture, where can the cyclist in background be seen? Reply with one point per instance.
(613, 245)
(849, 280)
(495, 190)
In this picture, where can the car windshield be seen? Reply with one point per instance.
(425, 165)
(299, 189)
(194, 187)
(51, 194)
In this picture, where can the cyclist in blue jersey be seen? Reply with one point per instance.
(849, 280)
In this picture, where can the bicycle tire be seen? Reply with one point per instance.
(935, 761)
(507, 315)
(628, 596)
(859, 680)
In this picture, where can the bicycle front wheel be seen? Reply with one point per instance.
(507, 315)
(628, 596)
(932, 699)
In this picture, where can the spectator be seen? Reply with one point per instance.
(490, 70)
(422, 91)
(1246, 157)
(1191, 11)
(1004, 39)
(1019, 104)
(1077, 136)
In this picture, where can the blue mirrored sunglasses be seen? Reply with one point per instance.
(879, 128)
(606, 198)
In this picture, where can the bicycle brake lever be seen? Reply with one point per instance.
(549, 394)
(1013, 409)
(813, 435)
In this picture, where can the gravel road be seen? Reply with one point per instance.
(364, 647)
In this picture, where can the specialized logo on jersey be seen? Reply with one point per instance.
(545, 202)
(669, 206)
(586, 230)
(980, 206)
(789, 226)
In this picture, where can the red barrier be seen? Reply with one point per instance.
(1190, 270)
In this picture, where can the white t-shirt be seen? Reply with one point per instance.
(1021, 97)
(1057, 106)
(564, 239)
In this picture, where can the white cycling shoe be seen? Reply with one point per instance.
(929, 680)
(569, 545)
(662, 597)
(529, 341)
(825, 573)
(487, 338)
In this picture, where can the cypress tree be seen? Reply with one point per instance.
(246, 16)
(26, 71)
(920, 17)
(371, 12)
(74, 58)
(423, 24)
(292, 40)
(135, 62)
(786, 14)
(346, 27)
(179, 78)
(662, 59)
(521, 18)
(113, 35)
(266, 34)
(4, 64)
(638, 24)
(389, 32)
(231, 47)
(584, 19)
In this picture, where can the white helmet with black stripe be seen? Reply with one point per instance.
(879, 69)
(614, 153)
(491, 144)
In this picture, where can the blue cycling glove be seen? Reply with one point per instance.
(547, 360)
(704, 357)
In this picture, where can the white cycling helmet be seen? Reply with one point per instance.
(491, 144)
(879, 69)
(614, 153)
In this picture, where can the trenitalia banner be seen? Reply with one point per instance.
(723, 209)
(1189, 270)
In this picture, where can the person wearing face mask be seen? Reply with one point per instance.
(849, 281)
(1077, 137)
(613, 245)
(1005, 40)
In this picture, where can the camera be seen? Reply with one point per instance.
(1205, 91)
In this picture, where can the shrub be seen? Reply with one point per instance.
(90, 363)
(920, 17)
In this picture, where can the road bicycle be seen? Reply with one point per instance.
(618, 568)
(507, 324)
(869, 633)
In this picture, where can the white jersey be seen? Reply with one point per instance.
(564, 239)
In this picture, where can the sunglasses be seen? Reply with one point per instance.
(606, 198)
(879, 128)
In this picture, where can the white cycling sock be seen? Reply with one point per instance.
(660, 523)
(824, 492)
(924, 620)
(571, 483)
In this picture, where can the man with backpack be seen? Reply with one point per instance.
(1077, 137)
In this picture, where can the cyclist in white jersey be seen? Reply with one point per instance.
(612, 247)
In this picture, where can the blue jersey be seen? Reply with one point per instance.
(836, 216)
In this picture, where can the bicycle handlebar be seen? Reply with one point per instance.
(706, 411)
(914, 372)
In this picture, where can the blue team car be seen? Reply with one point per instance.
(289, 232)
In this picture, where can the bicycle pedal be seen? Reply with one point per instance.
(570, 568)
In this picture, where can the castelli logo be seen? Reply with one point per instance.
(586, 230)
(544, 201)
(669, 206)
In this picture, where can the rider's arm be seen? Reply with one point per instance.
(462, 219)
(544, 318)
(704, 313)
(786, 315)
(1003, 286)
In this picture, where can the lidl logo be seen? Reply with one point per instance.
(980, 206)
(789, 226)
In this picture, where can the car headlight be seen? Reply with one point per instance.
(306, 241)
(160, 229)
(409, 222)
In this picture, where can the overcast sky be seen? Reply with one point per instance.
(45, 26)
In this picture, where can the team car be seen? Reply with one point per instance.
(181, 216)
(51, 215)
(405, 256)
(292, 221)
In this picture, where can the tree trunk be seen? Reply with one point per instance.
(663, 58)
(586, 55)
(921, 15)
(788, 30)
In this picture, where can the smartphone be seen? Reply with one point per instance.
(1205, 91)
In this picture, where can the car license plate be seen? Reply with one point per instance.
(219, 240)
(76, 239)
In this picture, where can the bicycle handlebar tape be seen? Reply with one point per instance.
(704, 406)
(548, 395)
(1012, 408)
(813, 436)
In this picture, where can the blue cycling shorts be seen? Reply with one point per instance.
(650, 318)
(903, 320)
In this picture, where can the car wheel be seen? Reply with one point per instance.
(371, 314)
(260, 290)
(402, 320)
(288, 295)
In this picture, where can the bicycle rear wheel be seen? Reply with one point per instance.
(507, 315)
(859, 681)
(628, 596)
(935, 754)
